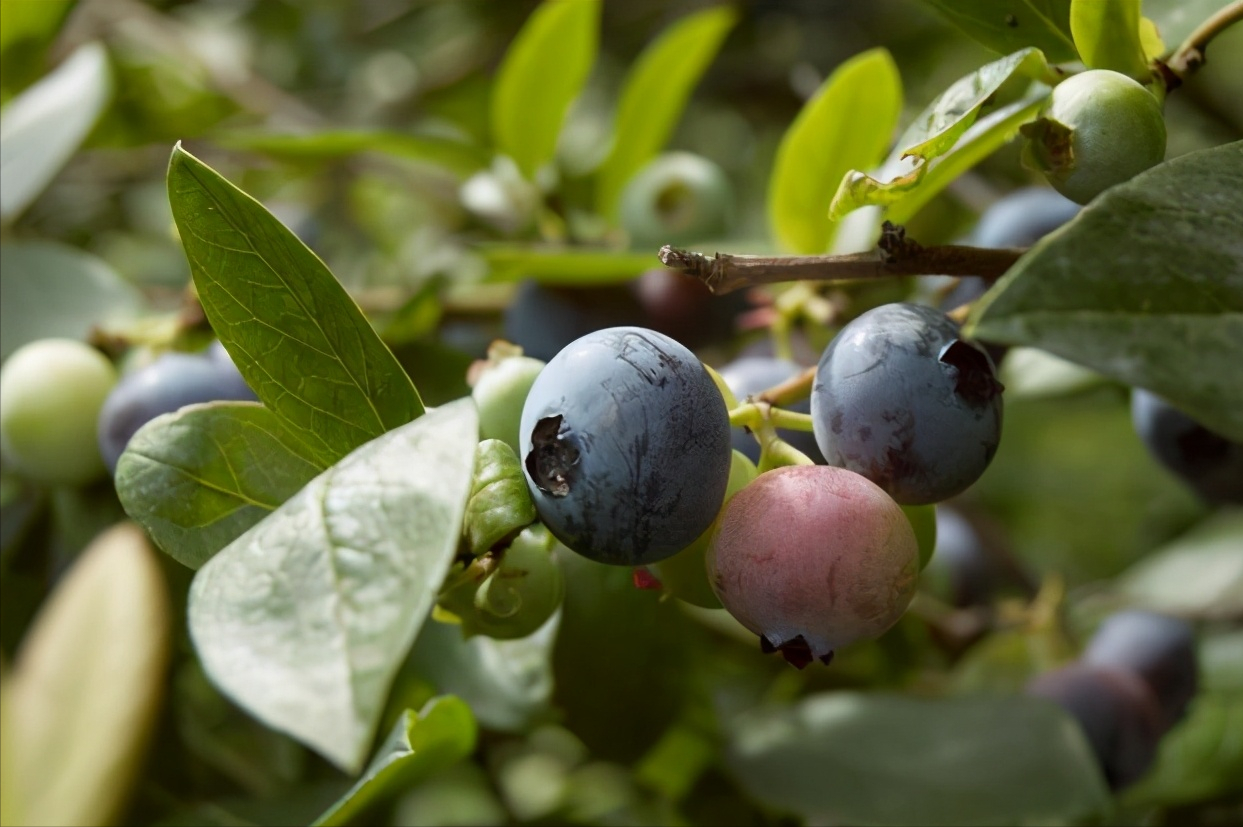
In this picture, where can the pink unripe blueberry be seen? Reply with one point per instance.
(812, 558)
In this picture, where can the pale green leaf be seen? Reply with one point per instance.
(1199, 574)
(86, 686)
(1007, 25)
(441, 734)
(654, 95)
(44, 125)
(305, 618)
(1145, 286)
(198, 478)
(1107, 36)
(540, 76)
(847, 124)
(296, 335)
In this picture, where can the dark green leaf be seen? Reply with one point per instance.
(48, 289)
(1107, 36)
(461, 158)
(198, 478)
(946, 138)
(1145, 286)
(1200, 574)
(43, 126)
(1007, 25)
(847, 757)
(442, 734)
(297, 337)
(542, 73)
(569, 267)
(847, 124)
(305, 618)
(655, 93)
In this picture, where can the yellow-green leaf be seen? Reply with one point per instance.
(1107, 35)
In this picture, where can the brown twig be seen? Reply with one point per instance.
(895, 255)
(1190, 55)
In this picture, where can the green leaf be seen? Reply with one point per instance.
(49, 289)
(839, 758)
(296, 336)
(569, 267)
(85, 689)
(654, 95)
(541, 74)
(1199, 574)
(1107, 36)
(508, 683)
(946, 139)
(198, 478)
(1007, 25)
(1176, 19)
(848, 123)
(1145, 286)
(441, 734)
(499, 503)
(30, 20)
(305, 618)
(43, 126)
(457, 156)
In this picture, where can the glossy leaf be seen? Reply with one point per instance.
(1007, 25)
(654, 95)
(1199, 574)
(838, 758)
(568, 267)
(459, 157)
(948, 126)
(508, 683)
(49, 289)
(304, 619)
(1107, 36)
(441, 734)
(86, 686)
(847, 124)
(1145, 282)
(198, 478)
(540, 76)
(44, 125)
(295, 334)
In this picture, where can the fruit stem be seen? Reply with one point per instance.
(725, 272)
(1189, 56)
(753, 415)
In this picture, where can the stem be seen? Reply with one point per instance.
(794, 389)
(1190, 55)
(895, 255)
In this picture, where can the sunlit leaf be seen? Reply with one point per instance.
(655, 93)
(847, 124)
(1107, 36)
(1145, 283)
(295, 334)
(542, 73)
(198, 478)
(305, 618)
(44, 125)
(457, 156)
(1007, 25)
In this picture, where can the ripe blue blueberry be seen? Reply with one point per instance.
(167, 384)
(963, 570)
(1116, 711)
(542, 319)
(1206, 461)
(902, 400)
(1158, 648)
(625, 446)
(754, 374)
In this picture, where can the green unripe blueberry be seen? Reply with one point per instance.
(500, 392)
(685, 574)
(1099, 129)
(51, 391)
(677, 198)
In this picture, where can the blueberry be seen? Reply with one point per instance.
(543, 319)
(625, 446)
(167, 384)
(683, 308)
(901, 399)
(962, 570)
(1209, 463)
(677, 198)
(1158, 648)
(754, 374)
(1116, 711)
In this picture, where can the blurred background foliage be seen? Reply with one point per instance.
(359, 124)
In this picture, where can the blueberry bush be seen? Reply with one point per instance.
(591, 412)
